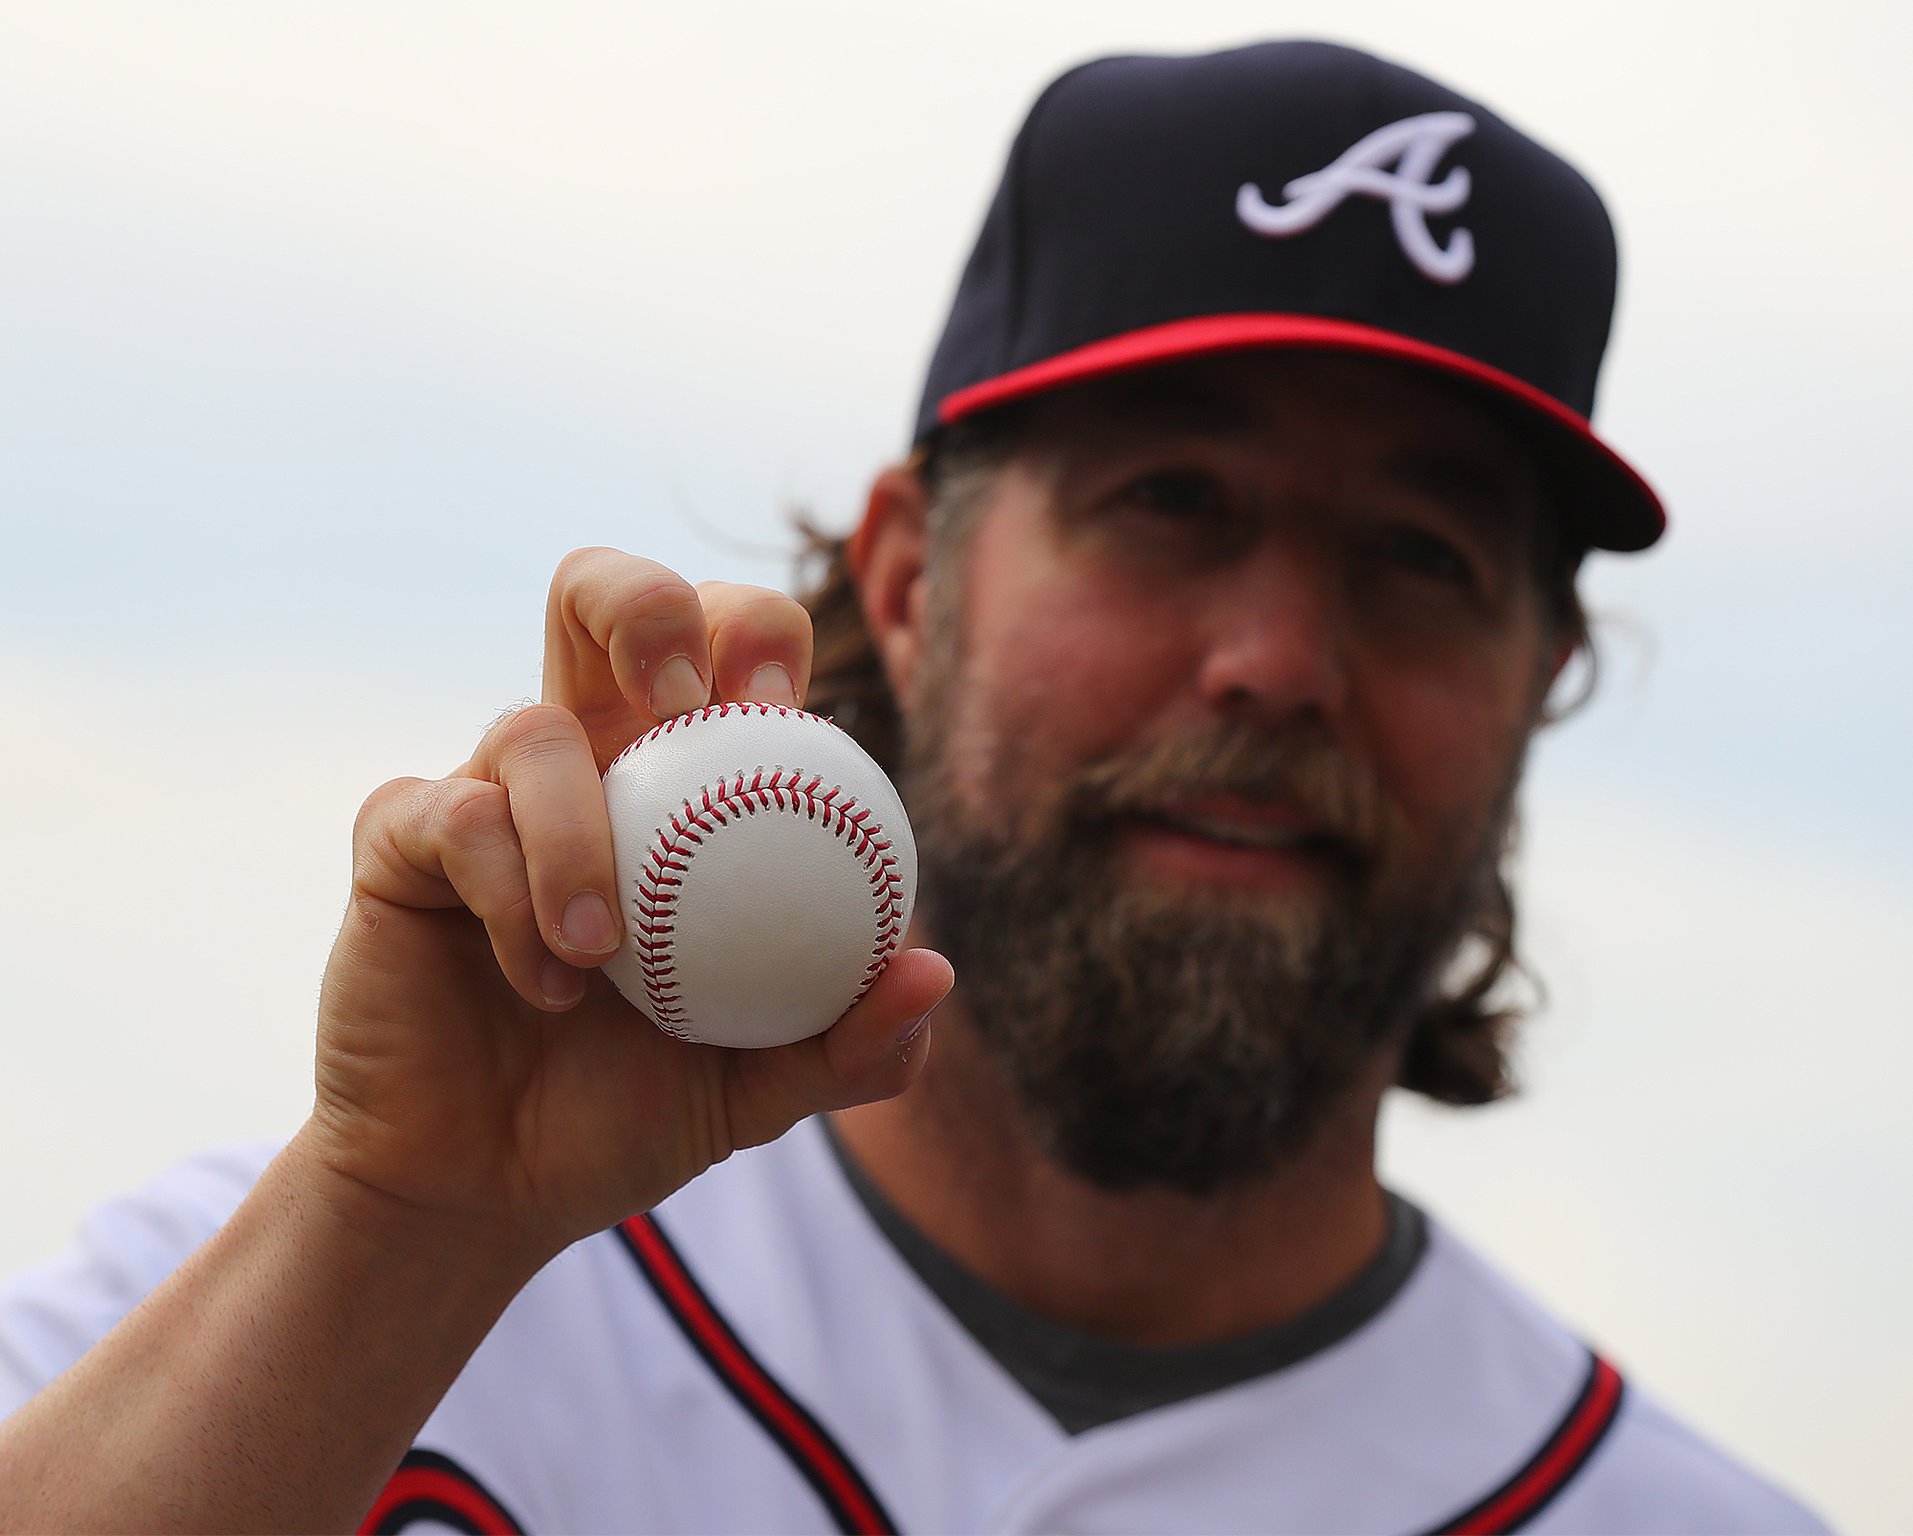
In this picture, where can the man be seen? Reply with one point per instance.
(1206, 627)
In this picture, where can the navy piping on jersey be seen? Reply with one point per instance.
(824, 1464)
(428, 1486)
(818, 1459)
(1553, 1465)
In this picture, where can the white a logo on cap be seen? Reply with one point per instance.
(1414, 146)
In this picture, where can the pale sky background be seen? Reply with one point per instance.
(326, 329)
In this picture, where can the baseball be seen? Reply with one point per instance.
(766, 871)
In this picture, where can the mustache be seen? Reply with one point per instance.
(1300, 767)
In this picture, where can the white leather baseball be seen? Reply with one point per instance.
(766, 871)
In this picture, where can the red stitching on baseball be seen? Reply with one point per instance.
(718, 712)
(704, 812)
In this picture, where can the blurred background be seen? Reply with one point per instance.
(325, 330)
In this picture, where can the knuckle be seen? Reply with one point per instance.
(513, 913)
(768, 620)
(507, 712)
(574, 841)
(665, 602)
(474, 814)
(535, 730)
(377, 805)
(764, 609)
(575, 565)
(366, 912)
(718, 592)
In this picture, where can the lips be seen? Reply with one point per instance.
(1251, 828)
(1239, 834)
(1250, 823)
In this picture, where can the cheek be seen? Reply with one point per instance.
(1060, 667)
(1445, 742)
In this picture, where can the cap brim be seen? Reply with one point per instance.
(1611, 505)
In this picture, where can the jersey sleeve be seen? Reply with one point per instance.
(53, 1313)
(1655, 1473)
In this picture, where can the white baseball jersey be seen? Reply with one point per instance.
(755, 1356)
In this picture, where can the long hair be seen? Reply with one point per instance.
(1459, 1046)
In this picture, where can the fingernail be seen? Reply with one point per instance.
(906, 1037)
(771, 684)
(677, 689)
(586, 925)
(561, 985)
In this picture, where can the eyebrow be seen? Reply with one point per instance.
(1471, 484)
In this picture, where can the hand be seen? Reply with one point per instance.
(473, 1066)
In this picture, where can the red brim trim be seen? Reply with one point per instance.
(1630, 517)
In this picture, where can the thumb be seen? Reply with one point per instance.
(873, 1052)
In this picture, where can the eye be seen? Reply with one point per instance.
(1428, 554)
(1177, 493)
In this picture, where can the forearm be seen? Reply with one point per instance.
(271, 1383)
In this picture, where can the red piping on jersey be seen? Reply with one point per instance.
(428, 1486)
(1553, 1466)
(810, 1448)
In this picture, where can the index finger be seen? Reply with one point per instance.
(626, 646)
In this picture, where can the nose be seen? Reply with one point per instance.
(1277, 636)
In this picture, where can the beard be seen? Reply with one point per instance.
(1171, 1035)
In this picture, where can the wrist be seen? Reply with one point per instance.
(367, 1223)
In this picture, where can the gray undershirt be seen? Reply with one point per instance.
(1084, 1381)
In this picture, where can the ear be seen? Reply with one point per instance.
(886, 560)
(1557, 663)
(1546, 711)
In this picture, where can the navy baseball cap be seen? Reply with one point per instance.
(1295, 195)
